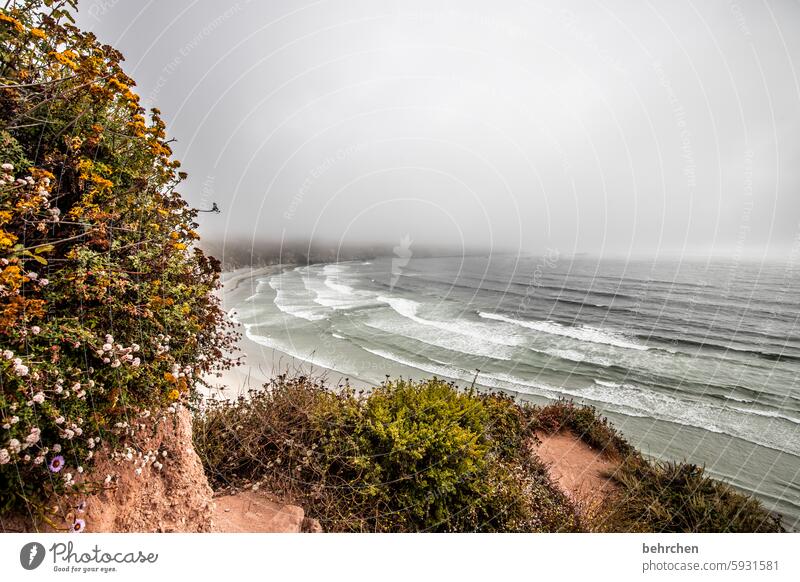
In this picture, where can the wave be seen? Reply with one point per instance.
(579, 357)
(581, 333)
(409, 308)
(289, 300)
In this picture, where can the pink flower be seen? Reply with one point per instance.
(56, 463)
(36, 330)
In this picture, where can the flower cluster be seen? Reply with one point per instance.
(107, 310)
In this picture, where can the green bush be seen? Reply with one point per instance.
(107, 309)
(407, 457)
(680, 497)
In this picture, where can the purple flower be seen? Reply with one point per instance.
(56, 463)
(78, 526)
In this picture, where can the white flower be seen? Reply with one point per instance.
(35, 330)
(14, 419)
(116, 364)
(68, 477)
(32, 276)
(80, 469)
(76, 386)
(107, 479)
(38, 398)
(69, 433)
(7, 167)
(135, 347)
(8, 354)
(34, 436)
(56, 448)
(38, 460)
(6, 426)
(60, 420)
(138, 471)
(135, 363)
(21, 369)
(44, 282)
(4, 456)
(107, 347)
(14, 445)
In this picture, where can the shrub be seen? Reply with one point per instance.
(407, 457)
(106, 308)
(679, 497)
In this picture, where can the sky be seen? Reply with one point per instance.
(578, 126)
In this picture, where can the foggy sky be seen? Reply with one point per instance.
(613, 126)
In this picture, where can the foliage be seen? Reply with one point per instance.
(679, 497)
(106, 306)
(407, 457)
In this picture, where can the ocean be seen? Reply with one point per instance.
(695, 360)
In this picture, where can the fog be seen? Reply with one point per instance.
(602, 127)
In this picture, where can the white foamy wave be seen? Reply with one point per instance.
(455, 342)
(311, 358)
(330, 291)
(579, 357)
(767, 414)
(437, 370)
(607, 384)
(337, 336)
(636, 401)
(582, 333)
(408, 309)
(293, 302)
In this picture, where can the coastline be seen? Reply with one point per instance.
(260, 363)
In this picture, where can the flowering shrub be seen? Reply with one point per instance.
(107, 309)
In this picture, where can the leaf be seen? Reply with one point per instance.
(43, 249)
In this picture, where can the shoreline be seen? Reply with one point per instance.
(260, 363)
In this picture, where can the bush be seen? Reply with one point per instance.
(106, 307)
(679, 497)
(407, 457)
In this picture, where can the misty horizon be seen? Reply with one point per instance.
(612, 130)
